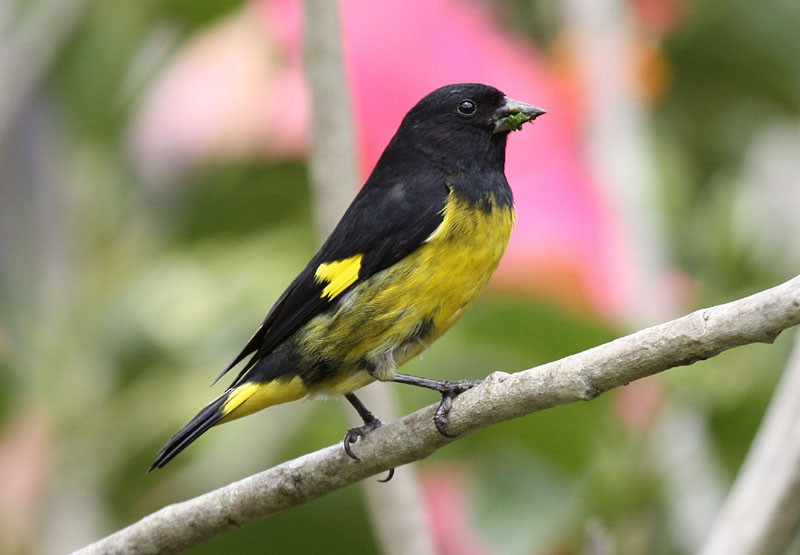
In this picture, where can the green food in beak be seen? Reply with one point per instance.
(514, 114)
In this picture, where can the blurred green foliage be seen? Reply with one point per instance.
(121, 300)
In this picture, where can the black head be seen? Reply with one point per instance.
(464, 122)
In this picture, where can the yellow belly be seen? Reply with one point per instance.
(433, 285)
(381, 318)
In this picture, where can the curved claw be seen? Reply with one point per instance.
(350, 438)
(441, 414)
(354, 434)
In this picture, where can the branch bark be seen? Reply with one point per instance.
(700, 335)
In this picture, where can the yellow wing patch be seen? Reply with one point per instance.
(251, 397)
(339, 275)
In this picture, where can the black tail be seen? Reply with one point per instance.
(196, 427)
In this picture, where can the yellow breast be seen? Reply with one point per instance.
(457, 260)
(394, 314)
(429, 288)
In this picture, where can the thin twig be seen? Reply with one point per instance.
(580, 377)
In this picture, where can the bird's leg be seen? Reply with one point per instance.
(354, 434)
(370, 423)
(449, 390)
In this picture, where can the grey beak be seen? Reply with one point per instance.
(513, 114)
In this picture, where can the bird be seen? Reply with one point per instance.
(411, 253)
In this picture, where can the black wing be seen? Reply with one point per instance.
(388, 219)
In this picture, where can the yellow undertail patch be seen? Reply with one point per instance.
(251, 397)
(339, 275)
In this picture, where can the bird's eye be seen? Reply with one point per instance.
(466, 107)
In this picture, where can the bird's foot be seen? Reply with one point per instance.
(354, 434)
(450, 390)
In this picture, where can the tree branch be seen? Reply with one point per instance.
(581, 377)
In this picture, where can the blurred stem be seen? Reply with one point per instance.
(27, 54)
(761, 515)
(396, 510)
(332, 159)
(683, 453)
(34, 248)
(619, 147)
